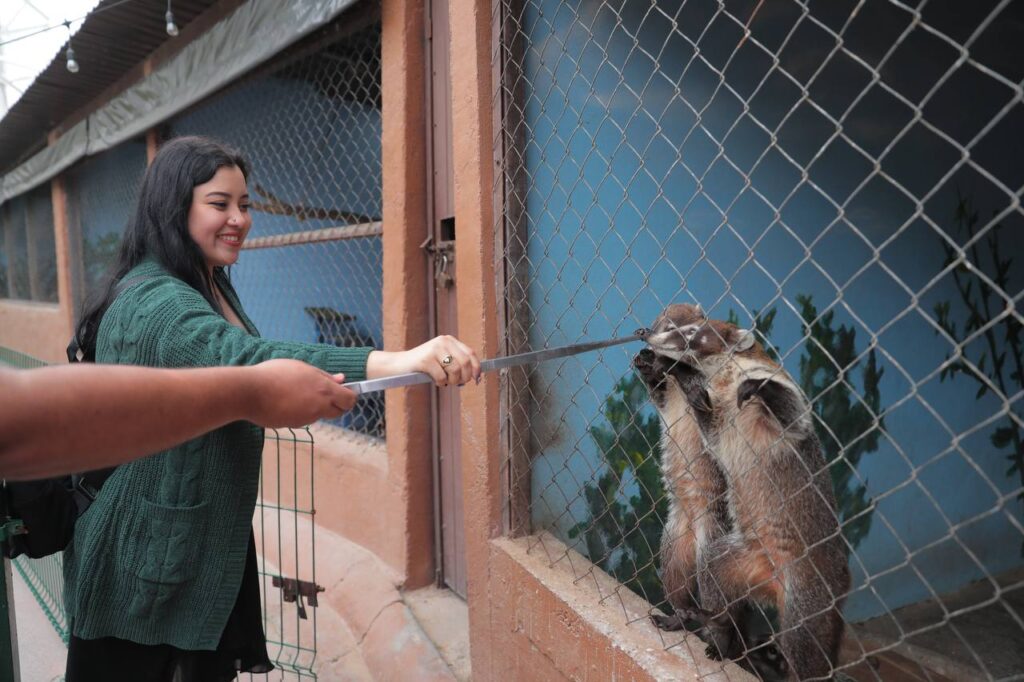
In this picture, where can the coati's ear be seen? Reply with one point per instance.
(744, 339)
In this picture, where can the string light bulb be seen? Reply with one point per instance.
(71, 64)
(172, 28)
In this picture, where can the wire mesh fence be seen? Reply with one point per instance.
(28, 261)
(101, 195)
(843, 181)
(309, 124)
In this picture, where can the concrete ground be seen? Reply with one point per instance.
(41, 653)
(444, 618)
(976, 633)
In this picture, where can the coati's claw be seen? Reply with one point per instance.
(645, 358)
(712, 652)
(681, 619)
(671, 623)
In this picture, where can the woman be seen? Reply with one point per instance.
(161, 576)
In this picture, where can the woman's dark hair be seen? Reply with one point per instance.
(159, 228)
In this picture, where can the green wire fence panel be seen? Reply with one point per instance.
(285, 535)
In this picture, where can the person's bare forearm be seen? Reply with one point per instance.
(56, 420)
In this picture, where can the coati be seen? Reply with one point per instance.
(695, 484)
(784, 546)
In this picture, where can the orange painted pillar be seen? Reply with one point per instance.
(405, 295)
(470, 24)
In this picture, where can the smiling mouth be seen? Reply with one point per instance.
(232, 239)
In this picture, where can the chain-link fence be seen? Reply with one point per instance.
(843, 178)
(28, 261)
(309, 124)
(101, 194)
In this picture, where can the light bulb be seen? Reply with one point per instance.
(72, 64)
(172, 28)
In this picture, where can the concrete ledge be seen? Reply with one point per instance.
(363, 590)
(555, 615)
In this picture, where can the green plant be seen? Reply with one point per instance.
(622, 535)
(998, 357)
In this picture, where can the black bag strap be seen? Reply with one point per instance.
(74, 352)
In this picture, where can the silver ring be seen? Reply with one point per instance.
(446, 360)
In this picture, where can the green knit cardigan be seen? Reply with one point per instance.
(158, 557)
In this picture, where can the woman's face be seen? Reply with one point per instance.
(219, 218)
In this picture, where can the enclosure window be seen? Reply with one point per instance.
(811, 173)
(102, 191)
(309, 124)
(28, 257)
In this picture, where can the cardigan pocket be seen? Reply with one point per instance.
(169, 555)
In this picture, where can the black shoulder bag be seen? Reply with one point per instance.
(39, 516)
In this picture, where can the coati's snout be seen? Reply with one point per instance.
(684, 333)
(674, 330)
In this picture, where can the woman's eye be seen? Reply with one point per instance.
(244, 207)
(219, 204)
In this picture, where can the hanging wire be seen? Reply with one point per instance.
(64, 23)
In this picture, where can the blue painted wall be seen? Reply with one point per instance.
(653, 179)
(319, 152)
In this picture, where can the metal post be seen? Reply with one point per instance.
(9, 668)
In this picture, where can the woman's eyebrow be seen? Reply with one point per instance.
(226, 195)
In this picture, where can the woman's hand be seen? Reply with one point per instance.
(449, 361)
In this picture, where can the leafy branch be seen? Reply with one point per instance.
(998, 365)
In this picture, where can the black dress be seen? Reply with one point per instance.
(242, 648)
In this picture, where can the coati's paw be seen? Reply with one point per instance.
(644, 360)
(671, 623)
(747, 390)
(778, 400)
(648, 366)
(721, 638)
(712, 652)
(681, 619)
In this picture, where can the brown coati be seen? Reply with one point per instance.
(694, 483)
(784, 547)
(696, 488)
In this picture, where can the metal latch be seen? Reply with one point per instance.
(294, 590)
(443, 254)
